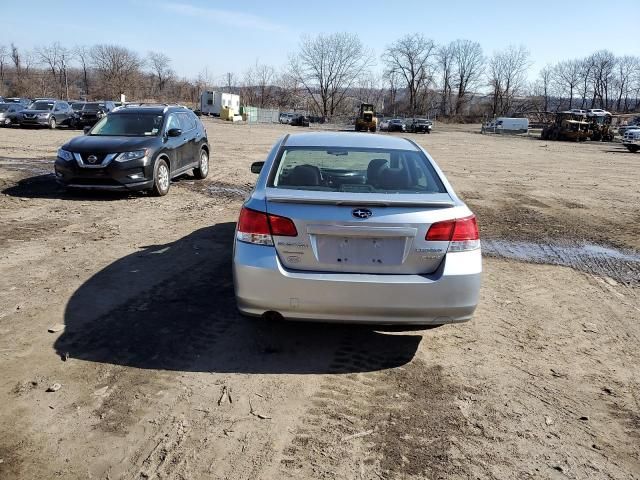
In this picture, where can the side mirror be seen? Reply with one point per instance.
(174, 132)
(86, 129)
(256, 167)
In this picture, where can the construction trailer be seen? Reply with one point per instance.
(212, 102)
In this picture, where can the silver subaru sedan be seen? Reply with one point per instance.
(355, 228)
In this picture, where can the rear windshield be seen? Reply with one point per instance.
(129, 125)
(94, 106)
(356, 170)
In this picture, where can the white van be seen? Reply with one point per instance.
(506, 125)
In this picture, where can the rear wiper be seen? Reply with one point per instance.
(337, 153)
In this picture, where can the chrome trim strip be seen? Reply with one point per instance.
(107, 160)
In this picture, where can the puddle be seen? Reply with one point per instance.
(620, 265)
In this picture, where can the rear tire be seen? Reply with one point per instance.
(161, 178)
(52, 123)
(202, 170)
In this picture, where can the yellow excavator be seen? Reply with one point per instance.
(367, 120)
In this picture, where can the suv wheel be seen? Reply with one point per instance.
(161, 178)
(52, 123)
(202, 170)
(633, 148)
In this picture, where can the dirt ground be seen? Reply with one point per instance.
(160, 378)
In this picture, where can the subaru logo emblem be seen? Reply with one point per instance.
(92, 159)
(361, 213)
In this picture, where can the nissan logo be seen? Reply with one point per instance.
(361, 213)
(92, 159)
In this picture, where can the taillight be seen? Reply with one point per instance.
(441, 231)
(282, 226)
(258, 227)
(462, 233)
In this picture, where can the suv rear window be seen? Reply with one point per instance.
(94, 106)
(356, 170)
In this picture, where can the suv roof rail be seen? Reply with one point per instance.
(151, 104)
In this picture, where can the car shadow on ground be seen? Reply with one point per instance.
(45, 186)
(172, 307)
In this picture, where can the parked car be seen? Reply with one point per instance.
(135, 148)
(597, 111)
(631, 139)
(633, 123)
(285, 117)
(397, 125)
(93, 111)
(21, 100)
(48, 113)
(420, 125)
(383, 126)
(355, 228)
(77, 106)
(9, 113)
(299, 120)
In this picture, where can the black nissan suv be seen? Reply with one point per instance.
(137, 147)
(93, 111)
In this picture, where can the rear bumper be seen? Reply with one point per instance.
(449, 295)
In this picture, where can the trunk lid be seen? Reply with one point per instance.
(338, 232)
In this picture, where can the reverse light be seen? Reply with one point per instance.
(462, 233)
(258, 227)
(126, 156)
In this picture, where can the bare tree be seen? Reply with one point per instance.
(586, 66)
(545, 77)
(566, 76)
(444, 58)
(468, 68)
(507, 76)
(83, 54)
(117, 67)
(411, 57)
(602, 74)
(327, 66)
(230, 82)
(624, 72)
(259, 86)
(4, 56)
(160, 65)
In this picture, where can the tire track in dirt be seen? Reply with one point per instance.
(394, 422)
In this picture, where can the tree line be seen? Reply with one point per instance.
(330, 74)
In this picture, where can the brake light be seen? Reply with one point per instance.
(462, 233)
(258, 227)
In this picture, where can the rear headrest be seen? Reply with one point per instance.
(394, 179)
(304, 176)
(373, 170)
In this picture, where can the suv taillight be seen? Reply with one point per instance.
(259, 227)
(462, 233)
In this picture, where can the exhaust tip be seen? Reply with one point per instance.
(272, 316)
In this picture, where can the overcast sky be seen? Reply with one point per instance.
(224, 36)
